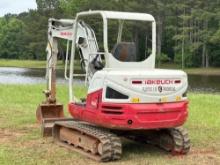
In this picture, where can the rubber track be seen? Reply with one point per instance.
(179, 137)
(181, 140)
(111, 143)
(114, 139)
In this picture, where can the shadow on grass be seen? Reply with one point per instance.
(137, 150)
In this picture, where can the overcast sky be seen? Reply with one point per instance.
(16, 6)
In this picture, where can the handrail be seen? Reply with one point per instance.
(66, 60)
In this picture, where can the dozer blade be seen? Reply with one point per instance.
(47, 125)
(47, 115)
(49, 111)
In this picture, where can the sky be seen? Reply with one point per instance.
(16, 6)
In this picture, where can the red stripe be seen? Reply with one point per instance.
(177, 81)
(136, 82)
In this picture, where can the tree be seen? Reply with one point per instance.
(187, 30)
(11, 37)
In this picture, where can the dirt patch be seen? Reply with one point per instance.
(203, 151)
(203, 156)
(7, 136)
(10, 135)
(46, 150)
(25, 137)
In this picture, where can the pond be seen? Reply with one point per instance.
(204, 83)
(11, 75)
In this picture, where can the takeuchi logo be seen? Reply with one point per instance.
(65, 33)
(159, 82)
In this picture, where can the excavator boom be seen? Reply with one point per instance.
(51, 110)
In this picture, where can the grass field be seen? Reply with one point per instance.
(196, 71)
(21, 142)
(60, 65)
(24, 63)
(31, 64)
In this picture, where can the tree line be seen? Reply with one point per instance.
(188, 31)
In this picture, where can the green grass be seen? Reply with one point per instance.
(23, 63)
(60, 65)
(203, 71)
(196, 71)
(32, 64)
(21, 142)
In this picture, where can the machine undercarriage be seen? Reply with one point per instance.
(106, 145)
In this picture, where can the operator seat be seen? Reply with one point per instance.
(125, 51)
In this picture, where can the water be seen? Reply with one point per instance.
(204, 83)
(10, 75)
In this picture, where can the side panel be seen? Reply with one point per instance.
(130, 116)
(148, 86)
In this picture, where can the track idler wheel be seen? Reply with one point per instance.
(175, 140)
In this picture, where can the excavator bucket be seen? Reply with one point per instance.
(49, 111)
(47, 115)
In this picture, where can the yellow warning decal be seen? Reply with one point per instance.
(135, 100)
(164, 99)
(178, 98)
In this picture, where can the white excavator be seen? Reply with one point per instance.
(127, 96)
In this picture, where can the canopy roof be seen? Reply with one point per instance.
(121, 15)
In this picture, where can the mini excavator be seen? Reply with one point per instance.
(127, 96)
